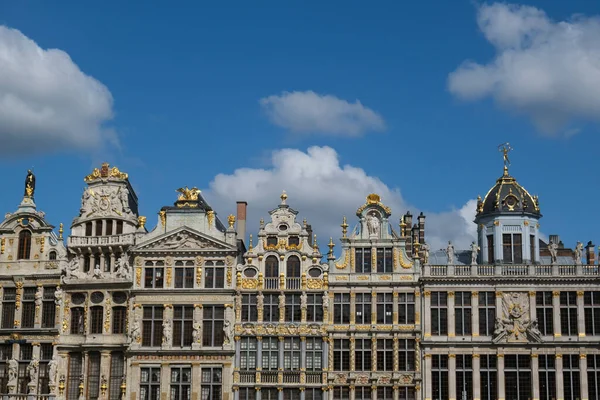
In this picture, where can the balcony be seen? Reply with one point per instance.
(114, 240)
(509, 271)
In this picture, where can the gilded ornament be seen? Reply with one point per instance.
(107, 319)
(162, 215)
(580, 293)
(138, 276)
(198, 276)
(229, 276)
(556, 293)
(186, 194)
(19, 286)
(249, 283)
(373, 199)
(406, 264)
(42, 242)
(169, 276)
(314, 283)
(199, 261)
(60, 231)
(141, 222)
(210, 216)
(2, 245)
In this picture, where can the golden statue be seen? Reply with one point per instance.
(505, 149)
(188, 194)
(29, 184)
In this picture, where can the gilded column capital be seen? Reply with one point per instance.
(498, 294)
(427, 293)
(532, 293)
(556, 293)
(450, 294)
(580, 293)
(474, 293)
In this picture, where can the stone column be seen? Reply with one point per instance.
(395, 308)
(417, 309)
(451, 312)
(373, 354)
(452, 376)
(583, 378)
(373, 308)
(500, 377)
(352, 353)
(35, 355)
(535, 376)
(105, 360)
(556, 316)
(428, 377)
(580, 315)
(560, 393)
(352, 308)
(476, 376)
(165, 380)
(197, 344)
(475, 314)
(532, 306)
(303, 355)
(427, 315)
(325, 357)
(83, 384)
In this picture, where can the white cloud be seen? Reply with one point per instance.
(323, 191)
(546, 70)
(46, 101)
(309, 112)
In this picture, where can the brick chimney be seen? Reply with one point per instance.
(241, 220)
(421, 228)
(590, 253)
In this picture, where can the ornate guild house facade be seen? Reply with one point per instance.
(190, 310)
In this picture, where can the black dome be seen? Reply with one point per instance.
(508, 197)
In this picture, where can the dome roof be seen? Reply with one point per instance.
(508, 197)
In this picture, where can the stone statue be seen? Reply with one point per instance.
(425, 248)
(167, 332)
(136, 330)
(227, 332)
(373, 225)
(58, 296)
(513, 324)
(281, 300)
(260, 300)
(13, 372)
(38, 297)
(123, 267)
(553, 249)
(52, 370)
(29, 184)
(578, 253)
(499, 329)
(325, 299)
(303, 300)
(450, 253)
(97, 274)
(73, 271)
(85, 197)
(196, 332)
(124, 197)
(534, 331)
(474, 252)
(32, 369)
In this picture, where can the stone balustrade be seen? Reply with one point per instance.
(113, 240)
(510, 270)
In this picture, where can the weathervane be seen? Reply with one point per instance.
(505, 149)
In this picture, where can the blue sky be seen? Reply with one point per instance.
(211, 95)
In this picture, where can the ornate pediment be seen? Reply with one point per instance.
(183, 240)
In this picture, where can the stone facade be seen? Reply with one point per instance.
(186, 311)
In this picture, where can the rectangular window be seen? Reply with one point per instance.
(464, 377)
(406, 355)
(46, 353)
(119, 227)
(212, 384)
(249, 309)
(247, 393)
(362, 354)
(8, 308)
(406, 393)
(181, 383)
(439, 313)
(517, 375)
(544, 312)
(532, 251)
(5, 355)
(269, 394)
(462, 313)
(291, 394)
(291, 354)
(362, 393)
(48, 308)
(362, 307)
(385, 261)
(363, 260)
(149, 383)
(490, 248)
(512, 248)
(184, 274)
(119, 315)
(406, 308)
(487, 313)
(313, 394)
(341, 355)
(77, 321)
(314, 354)
(270, 354)
(96, 319)
(28, 312)
(568, 313)
(488, 374)
(271, 308)
(547, 377)
(248, 353)
(385, 307)
(571, 386)
(385, 393)
(152, 326)
(214, 277)
(341, 392)
(75, 374)
(591, 307)
(99, 224)
(593, 375)
(293, 311)
(154, 275)
(341, 308)
(314, 307)
(93, 375)
(439, 376)
(183, 321)
(212, 325)
(117, 373)
(385, 355)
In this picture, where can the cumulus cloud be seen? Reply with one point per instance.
(323, 191)
(46, 101)
(546, 70)
(309, 112)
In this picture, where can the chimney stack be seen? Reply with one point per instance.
(590, 253)
(241, 220)
(554, 239)
(421, 228)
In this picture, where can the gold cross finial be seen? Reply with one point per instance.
(344, 227)
(505, 149)
(331, 245)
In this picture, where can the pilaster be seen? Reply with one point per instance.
(532, 305)
(475, 314)
(580, 314)
(501, 391)
(428, 377)
(535, 376)
(560, 393)
(583, 376)
(476, 377)
(556, 316)
(451, 319)
(427, 314)
(452, 376)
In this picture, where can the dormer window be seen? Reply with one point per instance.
(512, 248)
(271, 241)
(283, 227)
(293, 241)
(24, 245)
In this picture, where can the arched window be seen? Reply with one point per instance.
(52, 255)
(271, 267)
(293, 267)
(24, 245)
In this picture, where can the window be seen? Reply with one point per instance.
(547, 377)
(75, 374)
(341, 308)
(97, 315)
(152, 326)
(362, 393)
(406, 308)
(28, 312)
(48, 308)
(154, 274)
(249, 309)
(269, 394)
(5, 355)
(487, 313)
(464, 377)
(248, 353)
(212, 383)
(544, 312)
(406, 355)
(294, 241)
(93, 375)
(532, 251)
(488, 374)
(99, 228)
(183, 321)
(462, 313)
(52, 255)
(46, 352)
(385, 307)
(439, 313)
(362, 354)
(293, 267)
(341, 355)
(384, 260)
(24, 250)
(512, 248)
(439, 376)
(88, 229)
(270, 354)
(314, 354)
(363, 260)
(8, 308)
(517, 375)
(362, 308)
(593, 375)
(181, 383)
(184, 274)
(292, 308)
(314, 307)
(149, 383)
(385, 355)
(271, 267)
(214, 276)
(247, 393)
(119, 318)
(212, 326)
(291, 354)
(568, 313)
(591, 307)
(571, 386)
(291, 394)
(271, 308)
(406, 393)
(119, 227)
(384, 393)
(77, 321)
(26, 353)
(109, 227)
(341, 392)
(117, 373)
(490, 248)
(313, 394)
(271, 241)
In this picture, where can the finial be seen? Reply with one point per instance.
(344, 227)
(402, 227)
(315, 245)
(250, 246)
(262, 222)
(283, 197)
(331, 245)
(505, 149)
(231, 220)
(60, 231)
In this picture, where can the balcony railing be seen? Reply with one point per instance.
(114, 240)
(247, 377)
(272, 283)
(313, 378)
(268, 377)
(511, 270)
